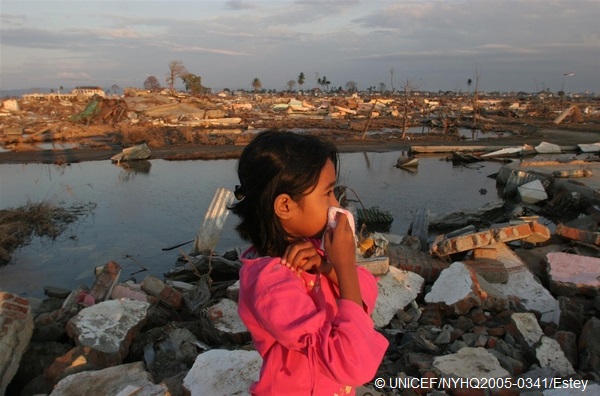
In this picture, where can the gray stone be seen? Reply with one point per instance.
(470, 363)
(108, 327)
(529, 331)
(397, 289)
(109, 381)
(222, 372)
(16, 328)
(549, 354)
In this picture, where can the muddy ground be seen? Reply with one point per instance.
(173, 143)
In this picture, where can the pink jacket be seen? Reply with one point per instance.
(311, 343)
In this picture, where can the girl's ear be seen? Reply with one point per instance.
(284, 206)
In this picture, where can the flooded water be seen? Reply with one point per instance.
(463, 133)
(161, 204)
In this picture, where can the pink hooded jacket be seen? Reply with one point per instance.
(311, 342)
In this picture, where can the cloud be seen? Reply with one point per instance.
(439, 41)
(239, 5)
(73, 76)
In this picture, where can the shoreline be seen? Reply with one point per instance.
(386, 142)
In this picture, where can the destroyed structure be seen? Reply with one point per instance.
(163, 119)
(509, 293)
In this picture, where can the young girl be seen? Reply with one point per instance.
(308, 311)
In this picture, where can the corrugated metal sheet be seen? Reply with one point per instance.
(517, 179)
(373, 215)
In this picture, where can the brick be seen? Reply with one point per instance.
(485, 252)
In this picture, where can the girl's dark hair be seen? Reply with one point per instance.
(274, 163)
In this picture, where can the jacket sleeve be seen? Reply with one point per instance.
(347, 349)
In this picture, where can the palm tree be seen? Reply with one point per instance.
(324, 82)
(256, 84)
(301, 79)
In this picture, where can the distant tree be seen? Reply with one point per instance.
(291, 84)
(193, 83)
(61, 88)
(256, 84)
(469, 82)
(324, 82)
(115, 88)
(151, 84)
(301, 79)
(51, 90)
(392, 78)
(351, 86)
(176, 70)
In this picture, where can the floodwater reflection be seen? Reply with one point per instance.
(143, 208)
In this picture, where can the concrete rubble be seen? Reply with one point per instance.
(510, 293)
(484, 316)
(162, 118)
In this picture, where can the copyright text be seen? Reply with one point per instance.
(479, 383)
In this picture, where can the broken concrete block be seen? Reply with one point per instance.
(233, 291)
(108, 327)
(549, 354)
(470, 363)
(532, 192)
(589, 147)
(528, 330)
(109, 381)
(16, 328)
(460, 288)
(547, 148)
(524, 285)
(397, 289)
(223, 372)
(589, 346)
(572, 274)
(225, 318)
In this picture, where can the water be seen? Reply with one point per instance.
(163, 204)
(464, 133)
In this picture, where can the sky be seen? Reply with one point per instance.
(500, 45)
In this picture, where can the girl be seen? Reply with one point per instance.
(308, 311)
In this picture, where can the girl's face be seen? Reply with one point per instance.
(310, 218)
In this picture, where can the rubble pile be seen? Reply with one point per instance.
(501, 295)
(170, 118)
(516, 303)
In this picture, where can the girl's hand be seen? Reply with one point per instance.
(340, 249)
(340, 246)
(302, 256)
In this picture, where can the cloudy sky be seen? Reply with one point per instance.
(513, 45)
